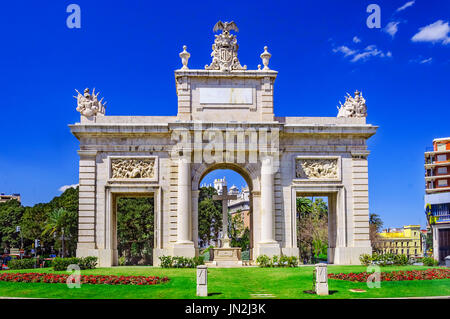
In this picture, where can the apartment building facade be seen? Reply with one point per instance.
(437, 195)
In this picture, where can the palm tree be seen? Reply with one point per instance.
(58, 220)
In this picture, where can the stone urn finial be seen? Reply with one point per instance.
(265, 56)
(185, 58)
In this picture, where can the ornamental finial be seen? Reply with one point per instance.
(184, 55)
(265, 56)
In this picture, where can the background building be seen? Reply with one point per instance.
(5, 198)
(240, 205)
(402, 241)
(437, 195)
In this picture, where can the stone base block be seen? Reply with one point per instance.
(202, 290)
(107, 257)
(322, 289)
(86, 249)
(290, 251)
(225, 254)
(269, 249)
(184, 250)
(347, 255)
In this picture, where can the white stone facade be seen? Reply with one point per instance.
(336, 143)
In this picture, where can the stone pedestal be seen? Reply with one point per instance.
(321, 279)
(202, 281)
(225, 254)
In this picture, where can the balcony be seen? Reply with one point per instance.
(437, 189)
(443, 219)
(433, 177)
(436, 164)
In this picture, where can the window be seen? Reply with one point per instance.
(441, 147)
(441, 158)
(442, 170)
(442, 182)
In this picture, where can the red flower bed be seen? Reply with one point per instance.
(428, 274)
(84, 279)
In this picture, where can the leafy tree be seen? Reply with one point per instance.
(10, 215)
(135, 229)
(376, 221)
(239, 234)
(209, 216)
(312, 227)
(375, 226)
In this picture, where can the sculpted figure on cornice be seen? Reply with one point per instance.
(353, 106)
(88, 104)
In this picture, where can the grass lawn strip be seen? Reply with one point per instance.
(227, 283)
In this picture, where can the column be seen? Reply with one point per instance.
(267, 198)
(184, 201)
(87, 200)
(184, 245)
(267, 244)
(195, 195)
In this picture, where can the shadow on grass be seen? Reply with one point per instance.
(214, 294)
(312, 292)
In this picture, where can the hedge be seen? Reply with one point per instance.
(61, 264)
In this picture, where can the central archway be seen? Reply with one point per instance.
(248, 172)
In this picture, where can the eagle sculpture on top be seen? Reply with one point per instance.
(224, 49)
(225, 26)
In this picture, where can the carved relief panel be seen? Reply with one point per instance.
(326, 168)
(133, 168)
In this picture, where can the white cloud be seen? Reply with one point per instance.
(344, 50)
(426, 61)
(362, 55)
(65, 187)
(406, 5)
(435, 32)
(356, 39)
(391, 28)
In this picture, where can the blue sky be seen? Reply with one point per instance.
(129, 49)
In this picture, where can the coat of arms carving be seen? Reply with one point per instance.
(224, 49)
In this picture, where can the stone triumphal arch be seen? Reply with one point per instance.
(225, 120)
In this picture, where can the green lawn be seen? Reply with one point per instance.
(240, 283)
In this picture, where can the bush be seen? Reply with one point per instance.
(181, 262)
(429, 261)
(263, 261)
(89, 262)
(277, 261)
(365, 259)
(61, 264)
(384, 259)
(292, 261)
(22, 263)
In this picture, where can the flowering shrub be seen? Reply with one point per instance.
(181, 262)
(428, 274)
(384, 259)
(277, 261)
(84, 279)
